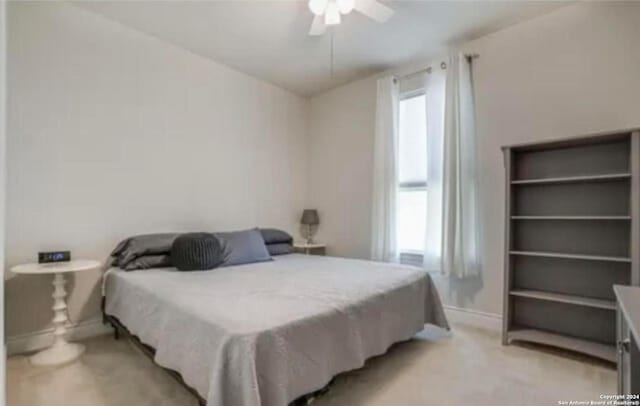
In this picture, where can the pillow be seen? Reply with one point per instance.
(280, 249)
(243, 247)
(148, 244)
(196, 252)
(275, 236)
(149, 261)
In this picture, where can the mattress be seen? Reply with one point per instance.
(267, 333)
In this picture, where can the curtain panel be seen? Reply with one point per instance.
(460, 231)
(385, 172)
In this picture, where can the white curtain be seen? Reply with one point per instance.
(460, 233)
(383, 222)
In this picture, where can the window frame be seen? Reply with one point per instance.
(411, 186)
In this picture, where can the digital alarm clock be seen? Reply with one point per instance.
(55, 256)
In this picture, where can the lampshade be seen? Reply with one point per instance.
(310, 217)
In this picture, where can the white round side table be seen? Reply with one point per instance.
(61, 351)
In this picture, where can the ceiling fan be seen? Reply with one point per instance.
(328, 12)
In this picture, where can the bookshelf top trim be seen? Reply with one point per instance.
(597, 138)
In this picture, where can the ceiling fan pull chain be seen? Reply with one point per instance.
(331, 68)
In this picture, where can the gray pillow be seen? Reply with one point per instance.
(275, 236)
(280, 249)
(148, 244)
(149, 261)
(243, 247)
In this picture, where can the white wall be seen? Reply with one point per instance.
(341, 129)
(571, 72)
(113, 133)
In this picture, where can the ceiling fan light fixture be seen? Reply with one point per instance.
(332, 14)
(345, 6)
(318, 7)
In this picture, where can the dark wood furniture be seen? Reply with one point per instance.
(628, 339)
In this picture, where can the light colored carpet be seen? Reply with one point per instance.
(468, 368)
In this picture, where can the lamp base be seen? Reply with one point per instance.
(309, 236)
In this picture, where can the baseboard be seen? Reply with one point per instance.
(42, 339)
(489, 321)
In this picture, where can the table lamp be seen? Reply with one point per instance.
(310, 218)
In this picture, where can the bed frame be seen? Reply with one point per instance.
(119, 330)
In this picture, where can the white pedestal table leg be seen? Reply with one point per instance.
(61, 351)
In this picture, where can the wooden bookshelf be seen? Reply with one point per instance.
(571, 233)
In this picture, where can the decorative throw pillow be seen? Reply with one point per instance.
(243, 247)
(196, 252)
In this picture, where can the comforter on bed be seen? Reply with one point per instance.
(267, 333)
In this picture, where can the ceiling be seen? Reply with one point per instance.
(268, 39)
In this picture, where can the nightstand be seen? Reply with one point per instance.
(309, 249)
(61, 351)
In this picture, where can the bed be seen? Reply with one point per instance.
(267, 333)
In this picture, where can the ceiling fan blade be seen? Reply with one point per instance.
(374, 10)
(318, 26)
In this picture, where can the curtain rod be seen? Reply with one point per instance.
(443, 66)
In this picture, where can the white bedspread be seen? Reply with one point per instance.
(267, 333)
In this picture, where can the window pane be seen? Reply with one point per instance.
(412, 141)
(411, 220)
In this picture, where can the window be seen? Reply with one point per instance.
(412, 177)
